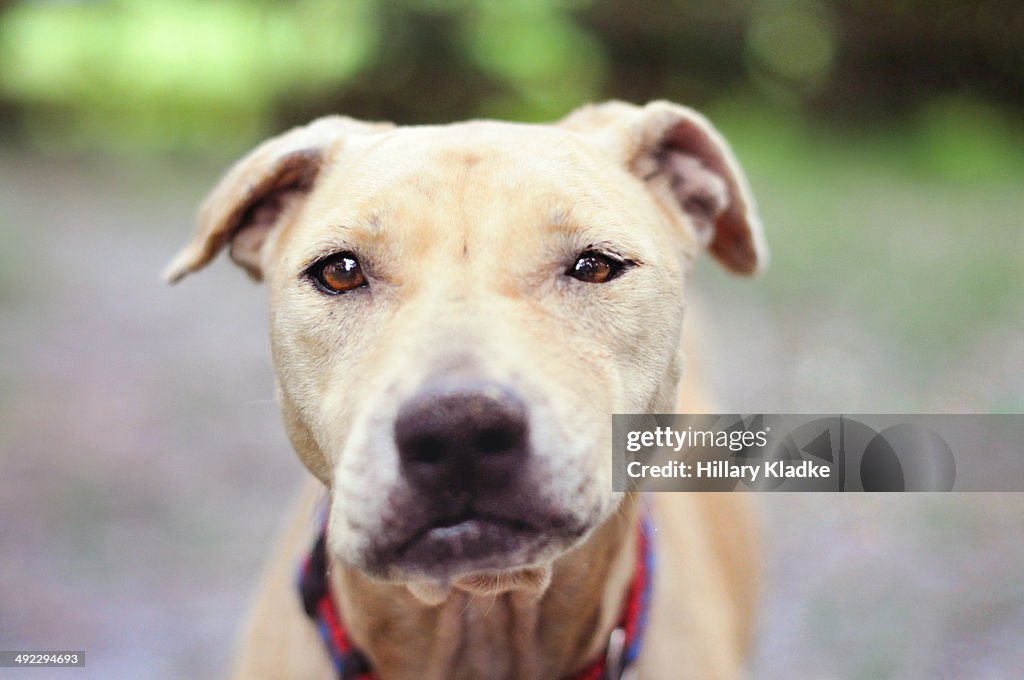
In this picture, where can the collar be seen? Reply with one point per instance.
(620, 654)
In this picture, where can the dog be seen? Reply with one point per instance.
(455, 313)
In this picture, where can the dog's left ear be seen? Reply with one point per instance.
(690, 170)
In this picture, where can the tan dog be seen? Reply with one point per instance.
(455, 313)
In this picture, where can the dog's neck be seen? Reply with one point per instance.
(518, 633)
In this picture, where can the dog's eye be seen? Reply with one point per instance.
(338, 273)
(594, 267)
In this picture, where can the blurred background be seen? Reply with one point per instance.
(143, 467)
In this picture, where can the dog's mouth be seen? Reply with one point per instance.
(464, 538)
(449, 546)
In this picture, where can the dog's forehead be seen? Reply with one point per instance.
(481, 155)
(452, 156)
(470, 179)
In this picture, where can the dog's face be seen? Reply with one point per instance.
(457, 310)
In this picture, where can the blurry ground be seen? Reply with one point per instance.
(143, 466)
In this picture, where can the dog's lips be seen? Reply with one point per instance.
(448, 547)
(465, 539)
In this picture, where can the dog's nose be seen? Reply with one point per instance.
(463, 439)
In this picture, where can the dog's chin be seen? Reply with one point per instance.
(532, 581)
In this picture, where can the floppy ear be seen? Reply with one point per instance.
(690, 170)
(260, 192)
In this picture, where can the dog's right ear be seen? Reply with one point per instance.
(261, 192)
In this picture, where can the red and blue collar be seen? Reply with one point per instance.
(620, 654)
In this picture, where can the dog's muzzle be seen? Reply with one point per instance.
(469, 500)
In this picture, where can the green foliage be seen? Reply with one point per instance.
(966, 140)
(187, 73)
(549, 61)
(202, 75)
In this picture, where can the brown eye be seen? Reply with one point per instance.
(593, 267)
(338, 274)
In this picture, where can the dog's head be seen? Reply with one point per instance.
(457, 310)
